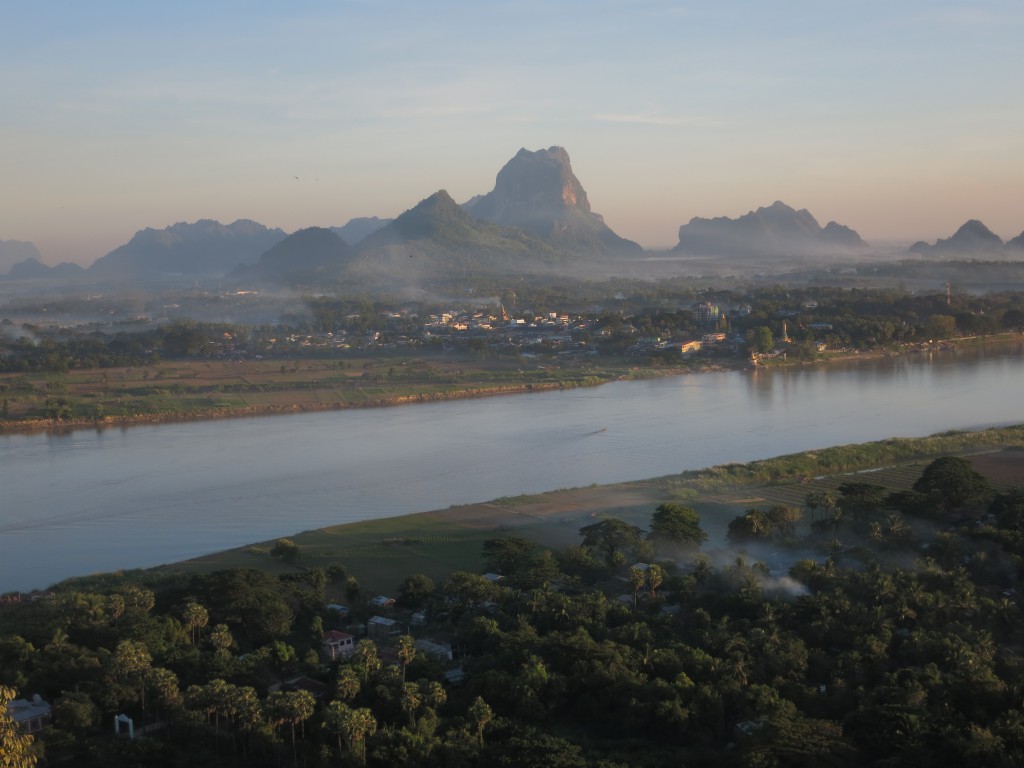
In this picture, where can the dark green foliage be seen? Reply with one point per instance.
(508, 555)
(861, 498)
(1009, 509)
(415, 591)
(612, 539)
(676, 524)
(755, 525)
(904, 661)
(252, 603)
(954, 481)
(286, 550)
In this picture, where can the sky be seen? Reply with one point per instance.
(901, 119)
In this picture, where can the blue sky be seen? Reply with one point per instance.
(901, 119)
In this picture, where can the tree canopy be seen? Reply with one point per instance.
(676, 524)
(954, 480)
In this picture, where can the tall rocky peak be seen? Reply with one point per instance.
(774, 230)
(538, 191)
(533, 185)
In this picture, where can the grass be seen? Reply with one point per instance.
(219, 388)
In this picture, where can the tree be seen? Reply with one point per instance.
(783, 520)
(751, 526)
(352, 725)
(366, 659)
(317, 578)
(613, 538)
(292, 707)
(249, 601)
(415, 591)
(508, 555)
(676, 524)
(220, 638)
(480, 714)
(862, 498)
(470, 588)
(637, 579)
(411, 700)
(15, 744)
(954, 480)
(655, 578)
(285, 549)
(131, 662)
(762, 339)
(406, 652)
(196, 617)
(1009, 509)
(347, 685)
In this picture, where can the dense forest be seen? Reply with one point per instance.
(892, 639)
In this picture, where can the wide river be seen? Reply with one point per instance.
(97, 500)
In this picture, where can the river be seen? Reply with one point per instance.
(98, 500)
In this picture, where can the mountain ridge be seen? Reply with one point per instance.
(775, 230)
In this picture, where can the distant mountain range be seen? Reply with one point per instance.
(777, 230)
(15, 251)
(537, 218)
(435, 241)
(204, 248)
(972, 240)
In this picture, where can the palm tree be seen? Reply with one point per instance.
(196, 617)
(411, 700)
(637, 579)
(481, 715)
(406, 652)
(356, 725)
(292, 707)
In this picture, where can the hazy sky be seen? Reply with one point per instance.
(901, 119)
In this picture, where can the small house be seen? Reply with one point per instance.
(338, 645)
(436, 651)
(31, 716)
(381, 603)
(382, 628)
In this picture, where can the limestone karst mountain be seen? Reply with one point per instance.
(972, 240)
(775, 230)
(538, 192)
(301, 257)
(438, 238)
(205, 247)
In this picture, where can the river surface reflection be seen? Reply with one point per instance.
(140, 496)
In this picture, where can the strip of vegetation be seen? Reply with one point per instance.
(844, 458)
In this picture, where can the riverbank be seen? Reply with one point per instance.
(201, 390)
(380, 552)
